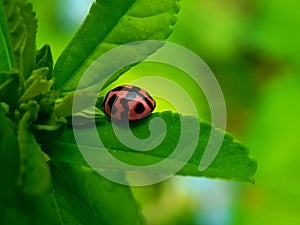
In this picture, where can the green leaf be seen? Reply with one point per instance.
(108, 25)
(232, 161)
(25, 198)
(45, 133)
(22, 27)
(44, 59)
(10, 90)
(29, 210)
(64, 107)
(84, 197)
(9, 159)
(38, 85)
(16, 30)
(28, 52)
(16, 207)
(5, 49)
(35, 171)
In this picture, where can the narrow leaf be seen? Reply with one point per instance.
(35, 171)
(15, 206)
(108, 25)
(44, 59)
(40, 85)
(10, 90)
(9, 159)
(5, 49)
(22, 26)
(232, 161)
(28, 52)
(34, 202)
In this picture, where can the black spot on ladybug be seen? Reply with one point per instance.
(120, 88)
(136, 89)
(112, 100)
(125, 113)
(149, 103)
(139, 108)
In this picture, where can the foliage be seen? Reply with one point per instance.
(43, 178)
(252, 48)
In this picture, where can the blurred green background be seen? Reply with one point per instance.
(253, 49)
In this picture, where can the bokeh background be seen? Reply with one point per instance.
(253, 49)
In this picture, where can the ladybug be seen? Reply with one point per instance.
(128, 102)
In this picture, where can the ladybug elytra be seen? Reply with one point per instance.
(128, 102)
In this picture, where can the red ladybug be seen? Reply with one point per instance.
(128, 102)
